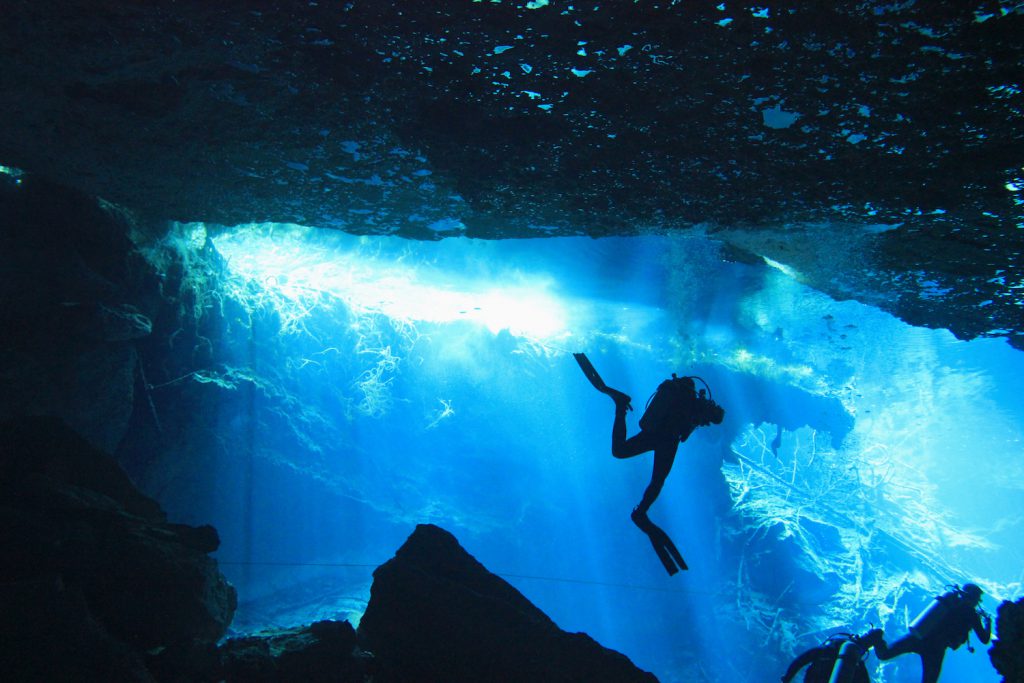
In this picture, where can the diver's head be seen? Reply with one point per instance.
(972, 592)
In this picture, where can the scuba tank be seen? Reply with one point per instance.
(935, 613)
(667, 404)
(847, 663)
(930, 618)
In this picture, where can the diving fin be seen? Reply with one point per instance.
(669, 546)
(588, 369)
(621, 400)
(666, 550)
(667, 560)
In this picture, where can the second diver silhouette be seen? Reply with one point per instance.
(946, 623)
(672, 413)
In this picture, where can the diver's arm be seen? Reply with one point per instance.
(982, 630)
(800, 662)
(686, 431)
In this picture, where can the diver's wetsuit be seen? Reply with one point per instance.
(931, 652)
(952, 633)
(821, 661)
(663, 445)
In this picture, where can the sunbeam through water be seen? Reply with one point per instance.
(374, 383)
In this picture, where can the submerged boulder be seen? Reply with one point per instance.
(325, 651)
(117, 574)
(436, 614)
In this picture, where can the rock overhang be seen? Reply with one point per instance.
(784, 130)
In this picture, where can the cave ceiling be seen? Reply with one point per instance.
(874, 148)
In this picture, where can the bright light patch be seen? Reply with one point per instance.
(782, 267)
(11, 171)
(775, 117)
(366, 281)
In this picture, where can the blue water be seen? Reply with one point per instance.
(373, 383)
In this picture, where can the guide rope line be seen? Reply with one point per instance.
(298, 564)
(507, 575)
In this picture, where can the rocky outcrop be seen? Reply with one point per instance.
(1007, 652)
(323, 652)
(436, 614)
(112, 579)
(96, 584)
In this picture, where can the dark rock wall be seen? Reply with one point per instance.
(110, 578)
(75, 296)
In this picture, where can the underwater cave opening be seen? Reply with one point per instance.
(338, 390)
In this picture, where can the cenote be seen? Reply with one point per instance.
(359, 386)
(316, 275)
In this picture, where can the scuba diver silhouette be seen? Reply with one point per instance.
(947, 622)
(840, 659)
(672, 413)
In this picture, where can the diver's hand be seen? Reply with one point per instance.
(873, 637)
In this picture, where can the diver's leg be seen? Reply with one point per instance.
(664, 456)
(627, 448)
(908, 643)
(619, 433)
(634, 445)
(931, 664)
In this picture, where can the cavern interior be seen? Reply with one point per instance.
(291, 293)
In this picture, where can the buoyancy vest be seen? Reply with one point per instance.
(669, 411)
(946, 619)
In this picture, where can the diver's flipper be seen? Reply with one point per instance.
(622, 401)
(665, 557)
(588, 369)
(674, 552)
(667, 551)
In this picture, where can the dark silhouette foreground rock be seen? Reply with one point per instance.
(436, 614)
(95, 584)
(1007, 651)
(323, 652)
(91, 574)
